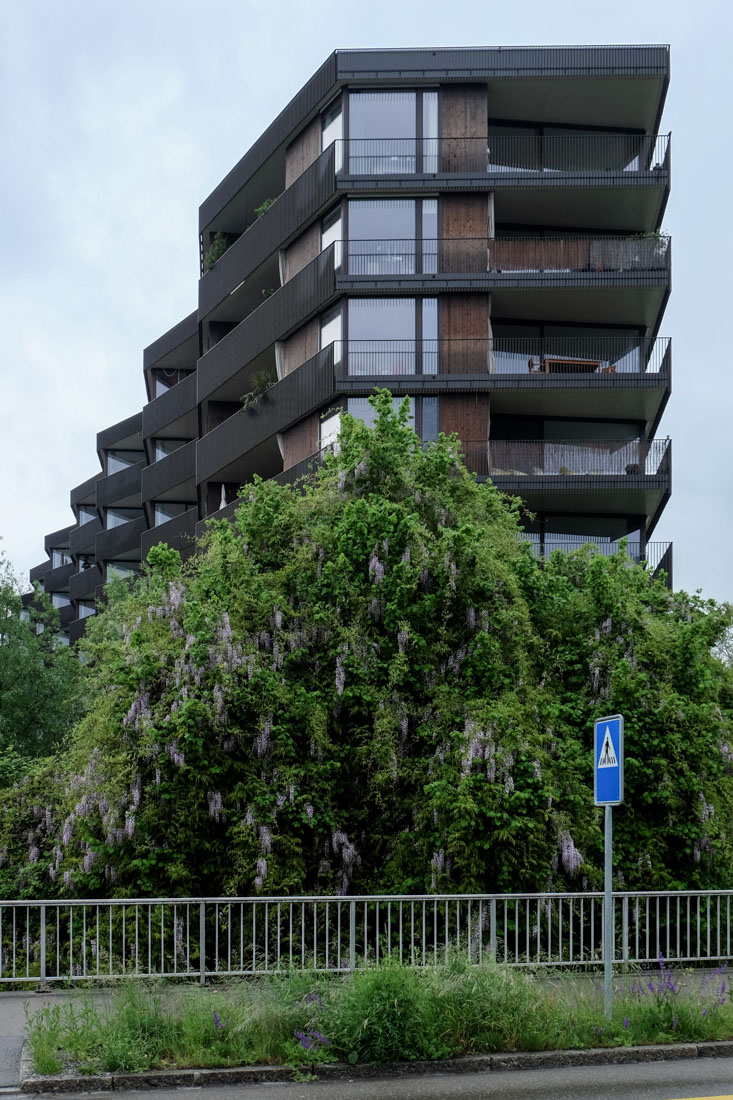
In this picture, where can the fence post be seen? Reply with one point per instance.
(202, 942)
(43, 946)
(625, 929)
(352, 935)
(492, 928)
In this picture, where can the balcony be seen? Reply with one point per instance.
(657, 556)
(83, 585)
(554, 257)
(81, 539)
(177, 533)
(511, 156)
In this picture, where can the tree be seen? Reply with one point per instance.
(368, 683)
(39, 678)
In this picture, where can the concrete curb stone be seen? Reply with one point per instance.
(256, 1075)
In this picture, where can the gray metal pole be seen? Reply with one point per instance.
(608, 937)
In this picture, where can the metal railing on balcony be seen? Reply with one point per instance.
(539, 458)
(398, 258)
(653, 553)
(589, 356)
(519, 154)
(100, 939)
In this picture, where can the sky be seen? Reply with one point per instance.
(116, 122)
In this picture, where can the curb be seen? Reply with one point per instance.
(340, 1071)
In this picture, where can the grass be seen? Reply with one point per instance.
(387, 1013)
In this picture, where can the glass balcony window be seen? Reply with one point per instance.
(59, 557)
(120, 460)
(117, 516)
(169, 509)
(86, 608)
(60, 599)
(122, 570)
(164, 447)
(86, 514)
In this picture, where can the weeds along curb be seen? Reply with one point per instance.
(477, 1063)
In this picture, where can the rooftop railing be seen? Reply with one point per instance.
(397, 258)
(518, 154)
(592, 357)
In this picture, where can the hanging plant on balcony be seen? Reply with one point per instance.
(262, 380)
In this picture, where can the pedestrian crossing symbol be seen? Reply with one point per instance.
(608, 758)
(608, 761)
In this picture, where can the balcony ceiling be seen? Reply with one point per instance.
(623, 210)
(612, 305)
(629, 103)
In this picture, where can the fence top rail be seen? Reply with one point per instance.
(362, 898)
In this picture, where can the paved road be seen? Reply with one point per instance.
(704, 1077)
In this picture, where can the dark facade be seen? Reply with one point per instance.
(477, 230)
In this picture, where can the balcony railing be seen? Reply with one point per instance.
(521, 154)
(532, 255)
(538, 458)
(592, 357)
(567, 458)
(653, 553)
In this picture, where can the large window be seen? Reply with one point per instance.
(163, 510)
(392, 236)
(117, 516)
(122, 570)
(87, 514)
(332, 130)
(60, 557)
(120, 460)
(164, 447)
(393, 132)
(393, 336)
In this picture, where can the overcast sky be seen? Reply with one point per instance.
(116, 121)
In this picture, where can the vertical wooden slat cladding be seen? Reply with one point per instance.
(298, 348)
(540, 254)
(463, 232)
(468, 416)
(300, 441)
(301, 252)
(464, 114)
(464, 327)
(301, 153)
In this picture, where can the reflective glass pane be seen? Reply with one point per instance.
(382, 132)
(430, 131)
(429, 418)
(382, 336)
(360, 408)
(330, 428)
(382, 237)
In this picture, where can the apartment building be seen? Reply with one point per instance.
(478, 230)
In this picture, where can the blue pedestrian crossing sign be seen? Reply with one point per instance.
(608, 761)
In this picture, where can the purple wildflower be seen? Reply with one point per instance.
(219, 1024)
(626, 1022)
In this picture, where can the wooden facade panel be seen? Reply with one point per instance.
(298, 348)
(301, 252)
(465, 414)
(301, 153)
(300, 441)
(463, 327)
(464, 216)
(464, 127)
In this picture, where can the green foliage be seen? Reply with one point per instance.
(261, 381)
(39, 678)
(216, 250)
(385, 1014)
(264, 207)
(367, 683)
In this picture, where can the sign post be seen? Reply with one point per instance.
(608, 791)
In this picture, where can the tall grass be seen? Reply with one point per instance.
(387, 1013)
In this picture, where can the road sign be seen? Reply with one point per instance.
(608, 761)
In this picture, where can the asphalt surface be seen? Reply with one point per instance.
(704, 1077)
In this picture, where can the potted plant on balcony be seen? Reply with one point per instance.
(262, 380)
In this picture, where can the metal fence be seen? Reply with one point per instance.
(530, 255)
(523, 155)
(590, 357)
(97, 940)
